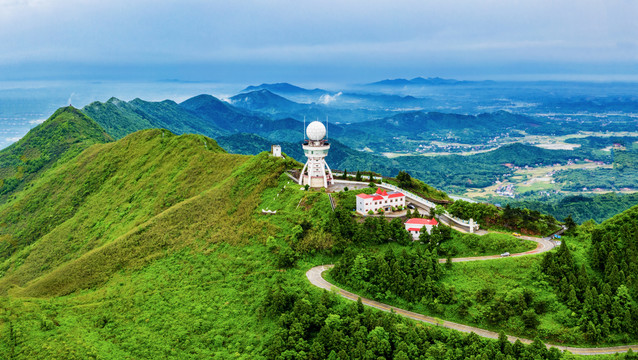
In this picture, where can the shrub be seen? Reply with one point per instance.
(370, 212)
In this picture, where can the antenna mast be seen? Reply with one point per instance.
(303, 132)
(326, 127)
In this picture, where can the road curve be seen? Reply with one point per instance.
(542, 245)
(315, 277)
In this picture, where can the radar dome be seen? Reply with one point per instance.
(316, 131)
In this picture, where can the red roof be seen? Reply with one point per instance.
(377, 198)
(381, 192)
(395, 195)
(421, 221)
(414, 229)
(364, 196)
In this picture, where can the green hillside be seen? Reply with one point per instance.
(62, 136)
(120, 118)
(154, 228)
(154, 246)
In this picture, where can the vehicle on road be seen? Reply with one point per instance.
(505, 254)
(516, 234)
(410, 206)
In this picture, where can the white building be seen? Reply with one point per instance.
(415, 225)
(380, 200)
(275, 150)
(316, 172)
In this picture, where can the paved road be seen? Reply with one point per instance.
(542, 245)
(315, 277)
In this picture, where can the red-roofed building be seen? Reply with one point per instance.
(379, 200)
(415, 225)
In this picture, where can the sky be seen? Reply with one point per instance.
(317, 41)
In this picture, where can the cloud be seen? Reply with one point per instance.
(12, 139)
(36, 122)
(366, 33)
(327, 98)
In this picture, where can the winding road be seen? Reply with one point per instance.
(315, 277)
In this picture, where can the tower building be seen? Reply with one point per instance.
(316, 172)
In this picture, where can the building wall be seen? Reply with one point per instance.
(276, 150)
(365, 205)
(361, 206)
(416, 234)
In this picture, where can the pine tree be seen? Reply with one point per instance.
(571, 224)
(572, 299)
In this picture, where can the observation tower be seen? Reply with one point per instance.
(316, 172)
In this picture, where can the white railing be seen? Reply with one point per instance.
(418, 199)
(430, 204)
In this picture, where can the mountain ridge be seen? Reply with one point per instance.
(63, 135)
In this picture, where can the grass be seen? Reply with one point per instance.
(177, 283)
(464, 245)
(61, 137)
(107, 193)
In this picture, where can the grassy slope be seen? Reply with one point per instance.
(176, 281)
(62, 136)
(107, 192)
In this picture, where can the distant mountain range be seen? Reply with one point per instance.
(264, 101)
(416, 81)
(278, 119)
(285, 88)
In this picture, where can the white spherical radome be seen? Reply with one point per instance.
(316, 131)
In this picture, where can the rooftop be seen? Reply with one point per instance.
(421, 221)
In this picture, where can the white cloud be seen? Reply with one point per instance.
(327, 98)
(12, 139)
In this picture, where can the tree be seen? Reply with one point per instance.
(345, 188)
(286, 257)
(530, 319)
(404, 179)
(345, 174)
(571, 224)
(358, 176)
